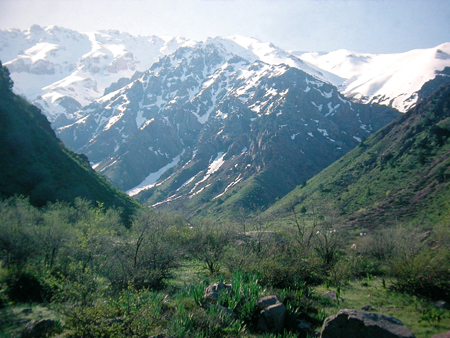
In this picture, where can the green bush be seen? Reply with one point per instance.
(23, 287)
(427, 273)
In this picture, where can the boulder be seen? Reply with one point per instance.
(224, 310)
(305, 326)
(367, 308)
(356, 324)
(26, 311)
(38, 329)
(442, 304)
(267, 301)
(112, 321)
(442, 335)
(272, 314)
(331, 295)
(211, 293)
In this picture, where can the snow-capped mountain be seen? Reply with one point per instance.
(388, 79)
(203, 120)
(183, 123)
(61, 70)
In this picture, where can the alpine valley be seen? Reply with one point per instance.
(207, 126)
(256, 192)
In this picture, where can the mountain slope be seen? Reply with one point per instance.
(400, 174)
(61, 70)
(208, 119)
(36, 164)
(388, 79)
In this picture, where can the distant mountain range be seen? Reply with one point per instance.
(206, 126)
(389, 79)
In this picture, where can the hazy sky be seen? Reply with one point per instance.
(372, 26)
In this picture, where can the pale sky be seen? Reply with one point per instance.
(367, 26)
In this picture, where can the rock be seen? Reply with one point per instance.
(26, 311)
(356, 324)
(224, 310)
(38, 329)
(272, 315)
(113, 321)
(211, 293)
(442, 304)
(442, 335)
(366, 308)
(331, 295)
(272, 318)
(305, 326)
(267, 301)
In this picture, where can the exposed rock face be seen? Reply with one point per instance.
(201, 121)
(357, 324)
(52, 63)
(272, 315)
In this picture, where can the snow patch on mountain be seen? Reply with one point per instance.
(389, 79)
(50, 64)
(151, 180)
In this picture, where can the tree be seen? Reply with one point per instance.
(208, 244)
(143, 256)
(6, 84)
(54, 232)
(17, 243)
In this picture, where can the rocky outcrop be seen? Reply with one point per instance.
(356, 324)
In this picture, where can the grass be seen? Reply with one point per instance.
(15, 318)
(418, 314)
(190, 272)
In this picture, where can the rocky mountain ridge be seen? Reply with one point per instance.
(389, 79)
(399, 175)
(228, 120)
(203, 120)
(61, 70)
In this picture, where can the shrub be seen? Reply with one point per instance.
(427, 273)
(23, 287)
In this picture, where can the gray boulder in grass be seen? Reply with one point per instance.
(211, 293)
(272, 314)
(358, 324)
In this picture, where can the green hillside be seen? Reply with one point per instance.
(400, 175)
(34, 163)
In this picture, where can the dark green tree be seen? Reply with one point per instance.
(6, 84)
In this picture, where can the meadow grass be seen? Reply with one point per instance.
(418, 314)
